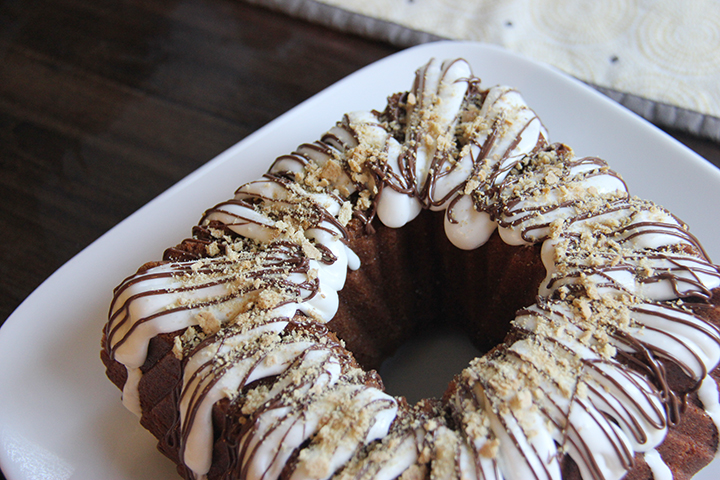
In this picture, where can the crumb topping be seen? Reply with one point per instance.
(254, 294)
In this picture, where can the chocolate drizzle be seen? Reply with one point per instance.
(584, 375)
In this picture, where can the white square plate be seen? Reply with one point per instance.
(61, 418)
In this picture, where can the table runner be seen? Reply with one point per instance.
(659, 58)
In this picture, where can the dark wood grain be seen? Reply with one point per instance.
(105, 104)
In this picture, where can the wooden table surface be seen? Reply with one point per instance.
(104, 105)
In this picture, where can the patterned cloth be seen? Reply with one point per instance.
(660, 58)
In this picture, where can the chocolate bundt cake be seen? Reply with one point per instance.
(248, 350)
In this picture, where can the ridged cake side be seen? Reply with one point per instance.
(587, 385)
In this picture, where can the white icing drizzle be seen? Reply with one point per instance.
(581, 378)
(659, 468)
(130, 395)
(388, 459)
(709, 397)
(197, 378)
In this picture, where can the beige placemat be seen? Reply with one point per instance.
(660, 58)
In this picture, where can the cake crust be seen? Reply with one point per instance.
(248, 351)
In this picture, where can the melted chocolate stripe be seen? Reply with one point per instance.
(518, 192)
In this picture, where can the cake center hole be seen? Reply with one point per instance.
(424, 365)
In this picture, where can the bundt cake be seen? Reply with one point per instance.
(248, 349)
